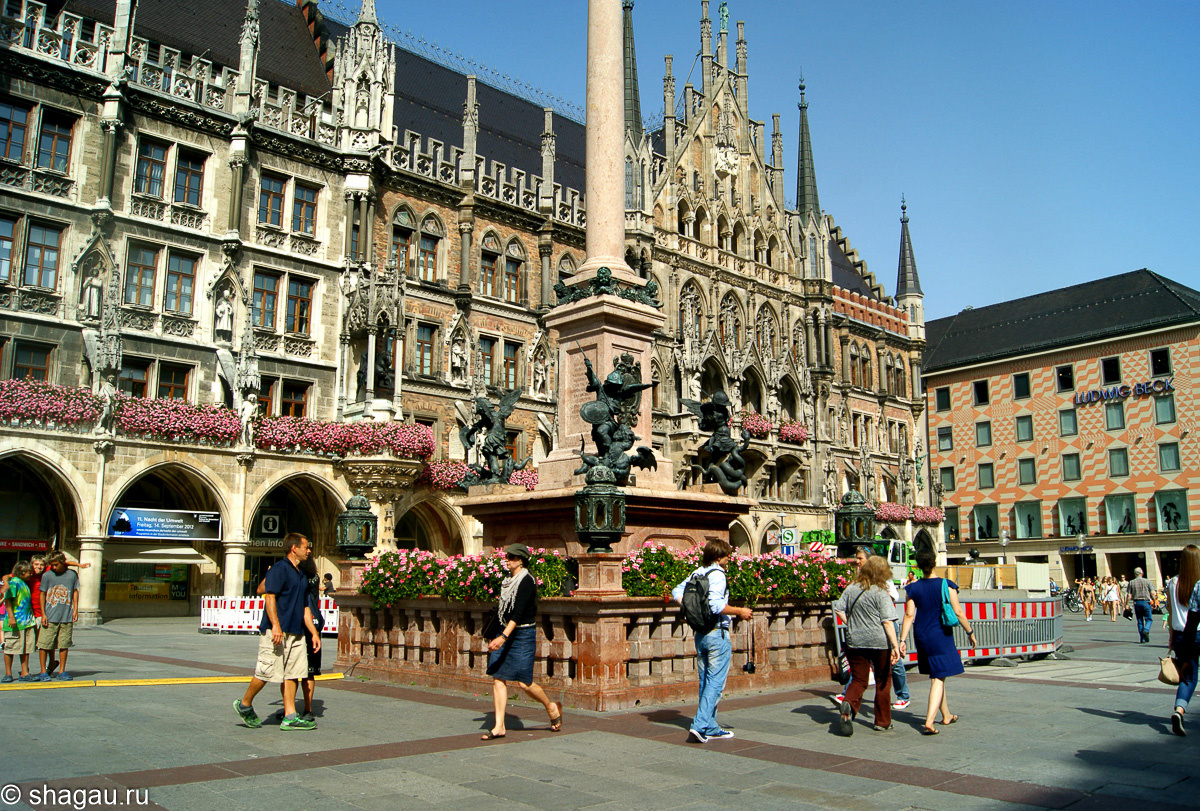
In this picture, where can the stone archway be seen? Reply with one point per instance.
(161, 574)
(299, 502)
(39, 510)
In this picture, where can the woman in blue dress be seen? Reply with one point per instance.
(937, 655)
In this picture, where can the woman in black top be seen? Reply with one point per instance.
(510, 655)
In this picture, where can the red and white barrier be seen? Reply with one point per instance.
(243, 614)
(1019, 627)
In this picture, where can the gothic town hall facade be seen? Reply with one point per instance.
(247, 205)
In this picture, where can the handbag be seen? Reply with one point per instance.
(1167, 672)
(843, 669)
(949, 618)
(491, 625)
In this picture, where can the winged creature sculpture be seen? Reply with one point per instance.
(721, 455)
(612, 416)
(498, 464)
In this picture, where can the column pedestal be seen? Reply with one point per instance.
(91, 550)
(600, 575)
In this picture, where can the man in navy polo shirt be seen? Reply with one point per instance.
(282, 655)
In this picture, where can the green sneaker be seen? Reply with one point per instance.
(297, 723)
(247, 714)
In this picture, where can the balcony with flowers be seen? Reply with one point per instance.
(49, 407)
(756, 425)
(792, 431)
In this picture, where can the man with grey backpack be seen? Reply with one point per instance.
(704, 596)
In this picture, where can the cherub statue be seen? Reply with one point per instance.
(498, 463)
(722, 455)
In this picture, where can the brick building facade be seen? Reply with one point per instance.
(1064, 425)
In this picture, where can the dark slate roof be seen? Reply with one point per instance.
(287, 54)
(1106, 308)
(845, 275)
(429, 101)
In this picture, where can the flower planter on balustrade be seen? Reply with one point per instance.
(596, 653)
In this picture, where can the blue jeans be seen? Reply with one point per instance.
(1187, 673)
(1145, 619)
(713, 652)
(900, 676)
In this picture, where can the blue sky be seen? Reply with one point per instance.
(1039, 144)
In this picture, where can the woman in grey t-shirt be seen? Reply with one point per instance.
(869, 613)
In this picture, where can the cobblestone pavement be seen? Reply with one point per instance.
(1088, 733)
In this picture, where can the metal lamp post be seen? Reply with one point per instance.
(1003, 546)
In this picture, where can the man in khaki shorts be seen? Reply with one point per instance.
(60, 612)
(282, 655)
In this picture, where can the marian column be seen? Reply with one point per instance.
(605, 139)
(602, 326)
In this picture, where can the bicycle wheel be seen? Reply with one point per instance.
(1072, 603)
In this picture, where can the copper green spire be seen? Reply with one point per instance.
(806, 174)
(907, 282)
(633, 104)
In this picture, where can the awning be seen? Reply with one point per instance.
(178, 554)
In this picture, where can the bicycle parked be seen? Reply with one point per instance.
(1072, 601)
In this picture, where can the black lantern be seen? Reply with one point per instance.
(357, 528)
(600, 511)
(854, 521)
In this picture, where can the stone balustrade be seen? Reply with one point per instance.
(598, 653)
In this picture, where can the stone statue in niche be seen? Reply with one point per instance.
(721, 455)
(539, 373)
(223, 315)
(829, 492)
(108, 403)
(247, 412)
(458, 361)
(91, 295)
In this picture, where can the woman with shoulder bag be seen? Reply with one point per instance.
(511, 653)
(869, 613)
(937, 655)
(1183, 598)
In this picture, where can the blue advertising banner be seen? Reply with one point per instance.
(165, 525)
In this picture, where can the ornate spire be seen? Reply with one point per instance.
(806, 174)
(367, 13)
(907, 281)
(633, 103)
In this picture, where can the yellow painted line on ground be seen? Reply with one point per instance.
(52, 685)
(47, 685)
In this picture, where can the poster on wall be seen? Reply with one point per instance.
(164, 525)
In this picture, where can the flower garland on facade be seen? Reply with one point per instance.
(756, 425)
(442, 474)
(50, 405)
(892, 513)
(928, 515)
(791, 431)
(44, 403)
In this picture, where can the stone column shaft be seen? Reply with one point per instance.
(235, 568)
(91, 550)
(605, 136)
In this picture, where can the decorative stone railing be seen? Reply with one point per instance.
(596, 653)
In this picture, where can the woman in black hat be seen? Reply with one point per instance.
(510, 656)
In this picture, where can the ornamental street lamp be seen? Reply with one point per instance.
(1003, 546)
(357, 528)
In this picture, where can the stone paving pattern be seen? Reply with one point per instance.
(1088, 733)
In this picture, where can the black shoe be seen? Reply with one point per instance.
(847, 719)
(1177, 724)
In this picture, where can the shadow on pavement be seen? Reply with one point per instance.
(1132, 717)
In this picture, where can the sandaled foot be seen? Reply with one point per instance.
(930, 731)
(946, 723)
(556, 721)
(491, 736)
